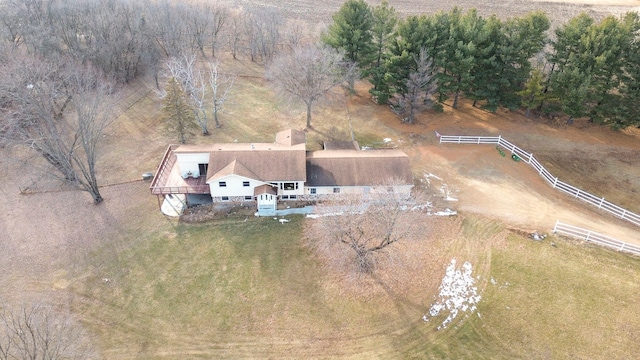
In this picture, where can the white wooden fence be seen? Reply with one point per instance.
(599, 202)
(594, 237)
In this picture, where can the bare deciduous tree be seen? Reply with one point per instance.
(37, 332)
(420, 87)
(358, 231)
(185, 71)
(221, 85)
(235, 33)
(59, 110)
(219, 17)
(191, 78)
(307, 74)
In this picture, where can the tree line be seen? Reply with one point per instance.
(586, 69)
(62, 64)
(126, 39)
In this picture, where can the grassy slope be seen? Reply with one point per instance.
(250, 289)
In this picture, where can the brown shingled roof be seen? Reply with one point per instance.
(265, 165)
(235, 168)
(357, 167)
(265, 189)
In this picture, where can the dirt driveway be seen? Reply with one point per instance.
(588, 156)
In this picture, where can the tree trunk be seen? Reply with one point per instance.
(309, 115)
(455, 100)
(215, 116)
(95, 194)
(527, 113)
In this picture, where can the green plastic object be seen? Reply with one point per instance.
(515, 157)
(500, 151)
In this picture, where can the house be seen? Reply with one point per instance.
(265, 173)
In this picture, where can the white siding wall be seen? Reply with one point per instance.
(189, 162)
(328, 190)
(234, 186)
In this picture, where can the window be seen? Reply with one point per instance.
(293, 197)
(312, 190)
(222, 184)
(202, 168)
(290, 186)
(285, 197)
(245, 183)
(225, 198)
(336, 190)
(248, 197)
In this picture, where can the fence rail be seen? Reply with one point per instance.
(599, 202)
(594, 237)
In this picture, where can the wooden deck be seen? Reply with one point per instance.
(169, 181)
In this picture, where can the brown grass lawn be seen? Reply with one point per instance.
(147, 287)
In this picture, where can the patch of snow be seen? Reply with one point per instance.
(445, 212)
(444, 189)
(428, 176)
(457, 294)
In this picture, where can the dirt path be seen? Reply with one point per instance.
(486, 183)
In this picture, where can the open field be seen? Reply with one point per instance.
(146, 287)
(558, 11)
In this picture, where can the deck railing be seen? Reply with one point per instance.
(162, 174)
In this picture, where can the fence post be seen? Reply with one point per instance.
(555, 227)
(601, 201)
(622, 247)
(555, 182)
(588, 235)
(623, 214)
(578, 193)
(499, 139)
(531, 157)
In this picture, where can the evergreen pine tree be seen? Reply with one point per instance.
(350, 32)
(178, 116)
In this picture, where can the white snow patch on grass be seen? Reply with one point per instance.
(457, 294)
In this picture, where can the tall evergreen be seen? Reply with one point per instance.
(627, 113)
(458, 55)
(384, 20)
(178, 116)
(533, 94)
(351, 32)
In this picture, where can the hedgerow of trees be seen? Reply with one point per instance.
(585, 69)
